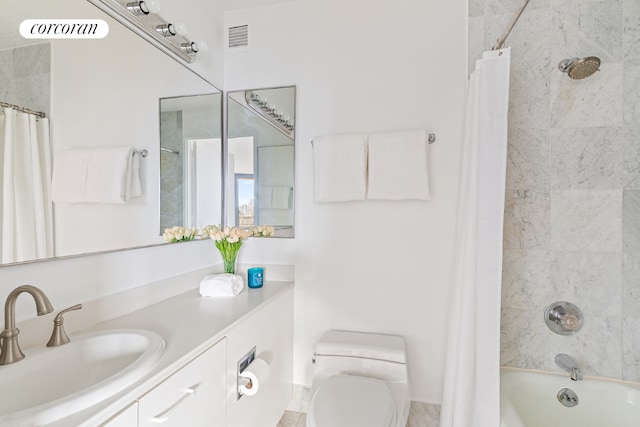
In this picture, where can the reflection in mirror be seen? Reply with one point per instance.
(97, 94)
(190, 161)
(260, 159)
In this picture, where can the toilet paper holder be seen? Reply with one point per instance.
(242, 365)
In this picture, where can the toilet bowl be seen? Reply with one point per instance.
(360, 380)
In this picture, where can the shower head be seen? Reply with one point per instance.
(580, 68)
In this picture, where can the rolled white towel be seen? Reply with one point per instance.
(221, 285)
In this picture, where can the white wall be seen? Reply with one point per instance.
(364, 66)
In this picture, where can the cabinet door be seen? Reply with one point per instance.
(194, 396)
(126, 418)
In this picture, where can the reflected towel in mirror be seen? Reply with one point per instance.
(96, 175)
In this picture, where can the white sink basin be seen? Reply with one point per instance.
(52, 383)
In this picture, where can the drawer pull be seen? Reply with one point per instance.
(166, 414)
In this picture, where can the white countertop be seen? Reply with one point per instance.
(189, 325)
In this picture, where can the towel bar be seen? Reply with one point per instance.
(143, 153)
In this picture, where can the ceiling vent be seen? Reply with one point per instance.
(238, 37)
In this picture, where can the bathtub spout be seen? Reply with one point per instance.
(567, 363)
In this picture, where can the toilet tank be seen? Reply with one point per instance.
(358, 353)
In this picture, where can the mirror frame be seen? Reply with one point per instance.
(222, 126)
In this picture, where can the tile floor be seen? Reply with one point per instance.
(420, 415)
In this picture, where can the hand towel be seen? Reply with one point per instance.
(281, 197)
(340, 168)
(69, 176)
(96, 175)
(221, 285)
(398, 166)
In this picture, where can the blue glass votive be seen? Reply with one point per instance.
(255, 277)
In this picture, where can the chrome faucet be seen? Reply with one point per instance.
(567, 363)
(9, 336)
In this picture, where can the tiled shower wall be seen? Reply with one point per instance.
(572, 212)
(171, 170)
(25, 78)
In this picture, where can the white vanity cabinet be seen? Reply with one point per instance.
(128, 417)
(194, 396)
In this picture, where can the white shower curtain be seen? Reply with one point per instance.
(27, 219)
(471, 396)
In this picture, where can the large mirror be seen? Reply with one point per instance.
(97, 95)
(261, 158)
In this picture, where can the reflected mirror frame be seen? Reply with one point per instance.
(225, 153)
(184, 153)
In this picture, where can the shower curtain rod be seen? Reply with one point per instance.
(510, 25)
(19, 108)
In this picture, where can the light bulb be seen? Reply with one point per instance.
(179, 29)
(150, 6)
(200, 46)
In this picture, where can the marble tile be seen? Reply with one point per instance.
(631, 284)
(529, 105)
(529, 39)
(528, 159)
(477, 43)
(525, 279)
(586, 220)
(476, 8)
(631, 220)
(499, 7)
(29, 92)
(423, 415)
(582, 28)
(592, 102)
(290, 419)
(631, 37)
(631, 157)
(526, 221)
(586, 158)
(525, 340)
(31, 60)
(591, 280)
(631, 348)
(300, 399)
(631, 101)
(597, 346)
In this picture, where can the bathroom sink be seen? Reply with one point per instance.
(52, 383)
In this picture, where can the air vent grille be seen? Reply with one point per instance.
(238, 36)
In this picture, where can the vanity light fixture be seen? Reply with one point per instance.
(142, 18)
(269, 111)
(143, 7)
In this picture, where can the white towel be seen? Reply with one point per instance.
(265, 196)
(398, 166)
(221, 285)
(281, 198)
(96, 175)
(340, 168)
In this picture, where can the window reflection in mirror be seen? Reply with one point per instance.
(190, 161)
(260, 178)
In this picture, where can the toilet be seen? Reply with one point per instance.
(360, 380)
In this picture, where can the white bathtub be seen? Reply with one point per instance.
(528, 399)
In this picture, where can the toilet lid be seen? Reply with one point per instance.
(352, 401)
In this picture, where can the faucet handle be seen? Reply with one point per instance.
(59, 336)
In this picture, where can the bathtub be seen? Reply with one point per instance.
(528, 399)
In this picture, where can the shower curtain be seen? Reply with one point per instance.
(27, 218)
(471, 396)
